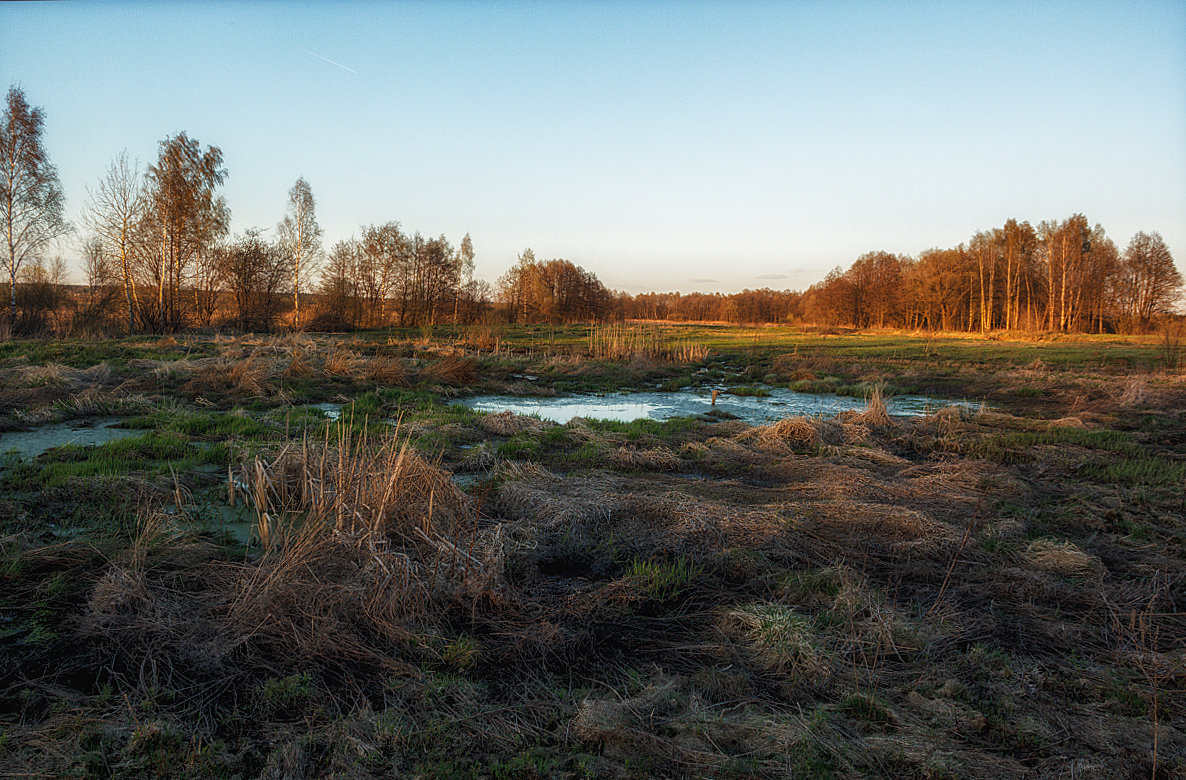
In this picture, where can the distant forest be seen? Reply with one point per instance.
(158, 256)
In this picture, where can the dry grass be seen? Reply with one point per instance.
(648, 459)
(359, 539)
(509, 423)
(1060, 557)
(56, 375)
(803, 430)
(388, 371)
(453, 370)
(778, 640)
(874, 415)
(341, 363)
(299, 365)
(621, 341)
(252, 375)
(1136, 392)
(484, 336)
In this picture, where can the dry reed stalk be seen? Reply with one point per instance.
(361, 537)
(487, 336)
(874, 415)
(1136, 392)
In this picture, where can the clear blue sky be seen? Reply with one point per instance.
(665, 146)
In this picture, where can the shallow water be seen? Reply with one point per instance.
(30, 444)
(331, 411)
(625, 407)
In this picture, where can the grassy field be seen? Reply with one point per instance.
(302, 561)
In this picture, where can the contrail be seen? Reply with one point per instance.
(331, 62)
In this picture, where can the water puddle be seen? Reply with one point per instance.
(30, 444)
(625, 407)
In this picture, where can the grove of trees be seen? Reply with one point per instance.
(158, 255)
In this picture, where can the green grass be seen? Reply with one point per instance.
(279, 696)
(1149, 470)
(664, 580)
(79, 353)
(522, 446)
(153, 452)
(199, 424)
(637, 429)
(1012, 447)
(866, 706)
(749, 391)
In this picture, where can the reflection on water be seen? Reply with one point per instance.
(30, 444)
(685, 403)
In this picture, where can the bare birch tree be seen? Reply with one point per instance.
(299, 238)
(31, 199)
(113, 211)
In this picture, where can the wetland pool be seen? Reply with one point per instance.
(29, 444)
(624, 407)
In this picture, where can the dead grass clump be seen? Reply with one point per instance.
(98, 374)
(509, 423)
(360, 539)
(778, 639)
(48, 375)
(1060, 557)
(166, 370)
(804, 430)
(652, 459)
(386, 371)
(874, 415)
(854, 433)
(479, 458)
(341, 363)
(668, 728)
(876, 456)
(360, 485)
(453, 370)
(252, 375)
(887, 522)
(949, 415)
(299, 365)
(211, 375)
(522, 471)
(624, 727)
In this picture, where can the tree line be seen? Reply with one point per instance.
(158, 256)
(1060, 276)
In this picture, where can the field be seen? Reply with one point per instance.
(298, 560)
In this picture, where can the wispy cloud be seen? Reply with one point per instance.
(327, 59)
(772, 276)
(705, 281)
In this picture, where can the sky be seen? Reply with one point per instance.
(710, 146)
